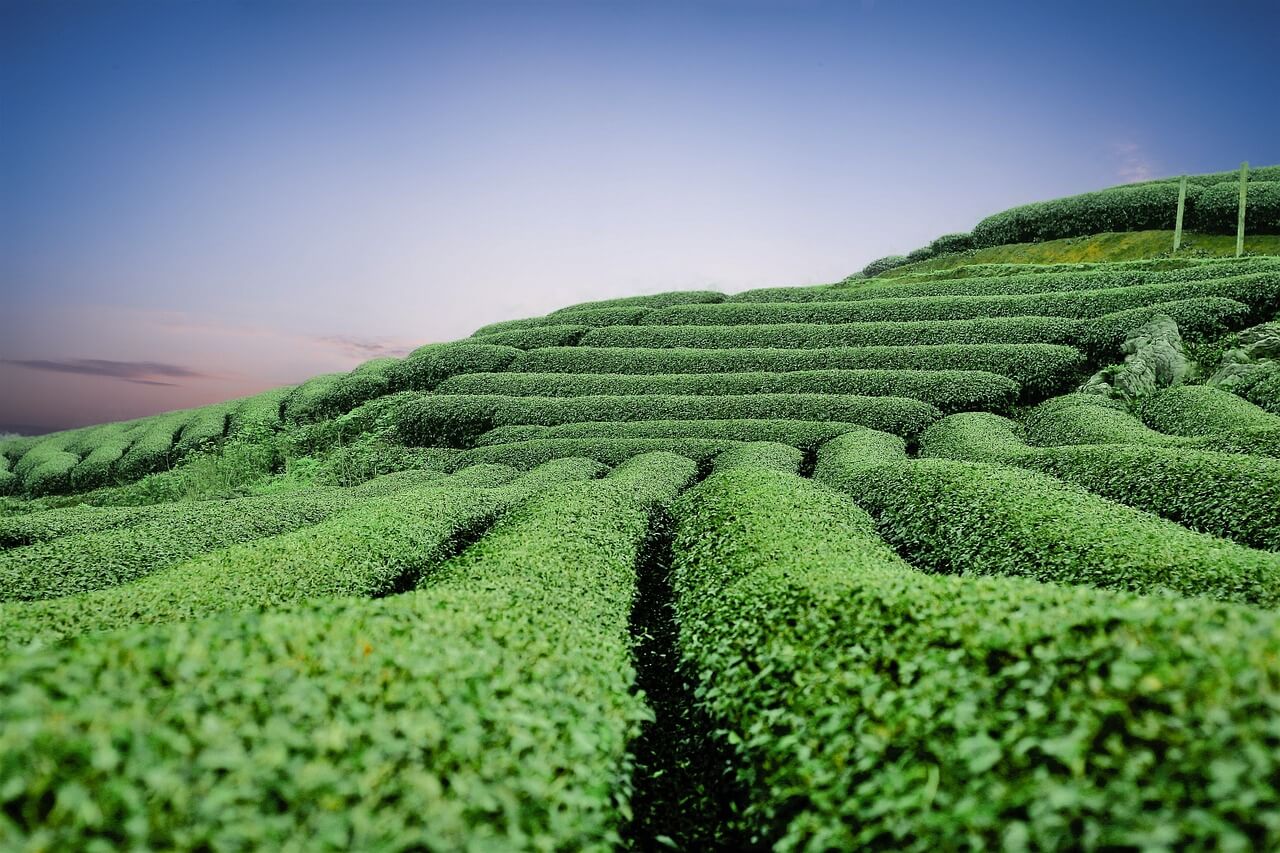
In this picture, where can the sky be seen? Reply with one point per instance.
(203, 200)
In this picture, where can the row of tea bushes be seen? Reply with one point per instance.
(872, 706)
(990, 519)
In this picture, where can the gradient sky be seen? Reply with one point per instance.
(199, 201)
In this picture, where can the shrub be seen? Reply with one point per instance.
(983, 519)
(43, 525)
(95, 469)
(373, 456)
(1260, 291)
(536, 337)
(168, 535)
(204, 427)
(1262, 387)
(949, 390)
(759, 454)
(1217, 210)
(592, 317)
(657, 300)
(1142, 207)
(987, 330)
(883, 265)
(951, 244)
(609, 451)
(259, 411)
(1200, 410)
(432, 720)
(1197, 319)
(1221, 494)
(1087, 419)
(152, 450)
(46, 468)
(426, 367)
(458, 420)
(381, 545)
(870, 706)
(806, 435)
(1038, 368)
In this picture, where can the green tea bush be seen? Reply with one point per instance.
(1257, 173)
(43, 525)
(870, 706)
(1222, 494)
(883, 265)
(949, 390)
(96, 468)
(1044, 280)
(1088, 419)
(1217, 210)
(538, 336)
(992, 330)
(205, 426)
(170, 534)
(609, 451)
(1260, 291)
(806, 435)
(987, 519)
(259, 411)
(432, 720)
(458, 420)
(951, 244)
(769, 455)
(426, 367)
(46, 469)
(1262, 387)
(1038, 368)
(153, 449)
(592, 317)
(1196, 319)
(1142, 207)
(656, 300)
(1201, 410)
(382, 545)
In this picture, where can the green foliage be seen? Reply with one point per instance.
(1199, 410)
(769, 455)
(1260, 291)
(806, 435)
(1135, 207)
(426, 367)
(1262, 387)
(205, 427)
(1038, 368)
(431, 720)
(259, 411)
(657, 300)
(949, 390)
(153, 449)
(533, 338)
(1223, 494)
(163, 536)
(871, 706)
(379, 546)
(609, 451)
(591, 317)
(949, 244)
(883, 264)
(458, 420)
(988, 519)
(1218, 208)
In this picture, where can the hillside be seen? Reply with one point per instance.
(983, 551)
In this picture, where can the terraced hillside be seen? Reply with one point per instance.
(807, 568)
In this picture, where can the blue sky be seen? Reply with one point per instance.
(203, 200)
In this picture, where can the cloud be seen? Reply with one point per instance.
(137, 372)
(1134, 165)
(365, 347)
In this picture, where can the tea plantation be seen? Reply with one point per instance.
(985, 555)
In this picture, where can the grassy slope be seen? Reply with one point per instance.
(1129, 246)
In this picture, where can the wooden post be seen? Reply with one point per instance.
(1244, 183)
(1182, 204)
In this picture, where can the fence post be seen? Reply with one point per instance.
(1244, 183)
(1182, 203)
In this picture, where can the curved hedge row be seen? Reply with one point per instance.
(1260, 291)
(538, 336)
(428, 366)
(592, 317)
(1136, 207)
(1222, 494)
(770, 455)
(1038, 368)
(806, 435)
(1088, 419)
(96, 468)
(981, 519)
(431, 720)
(260, 410)
(949, 390)
(608, 451)
(871, 706)
(1262, 387)
(380, 546)
(458, 420)
(153, 449)
(993, 330)
(656, 300)
(1201, 410)
(1044, 280)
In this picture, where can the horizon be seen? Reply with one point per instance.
(203, 201)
